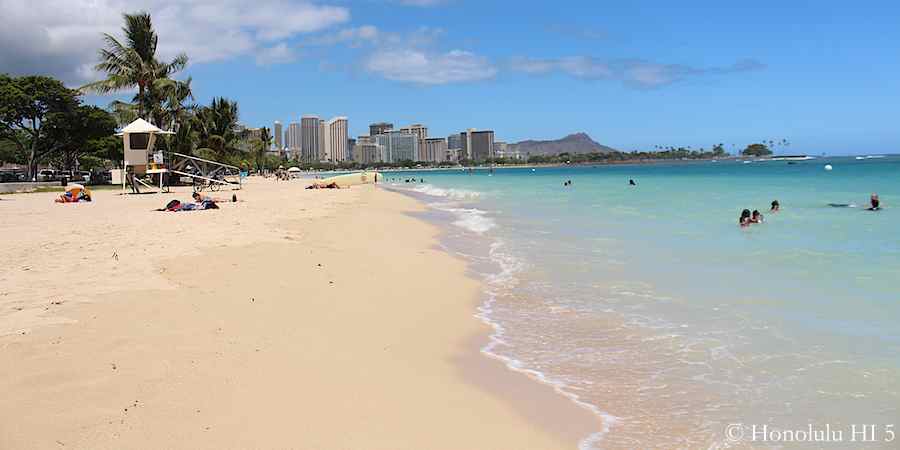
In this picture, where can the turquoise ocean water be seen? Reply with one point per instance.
(649, 305)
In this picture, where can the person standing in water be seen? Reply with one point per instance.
(874, 202)
(775, 206)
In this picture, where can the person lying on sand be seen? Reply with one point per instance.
(74, 194)
(177, 205)
(332, 185)
(200, 198)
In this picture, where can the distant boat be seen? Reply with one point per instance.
(791, 158)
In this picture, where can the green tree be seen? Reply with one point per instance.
(756, 150)
(260, 147)
(134, 64)
(29, 107)
(718, 150)
(10, 152)
(76, 131)
(173, 111)
(215, 126)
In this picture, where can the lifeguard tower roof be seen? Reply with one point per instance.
(142, 126)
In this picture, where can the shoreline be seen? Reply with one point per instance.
(185, 342)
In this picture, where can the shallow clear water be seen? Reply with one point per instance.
(651, 306)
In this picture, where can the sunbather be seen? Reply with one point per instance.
(332, 185)
(74, 194)
(177, 205)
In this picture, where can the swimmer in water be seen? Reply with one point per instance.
(756, 217)
(744, 221)
(874, 202)
(632, 183)
(775, 206)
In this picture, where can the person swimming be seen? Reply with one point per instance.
(632, 183)
(744, 221)
(775, 206)
(756, 217)
(874, 202)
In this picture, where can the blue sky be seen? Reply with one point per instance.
(823, 75)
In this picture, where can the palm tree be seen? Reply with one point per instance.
(134, 63)
(172, 111)
(259, 152)
(215, 125)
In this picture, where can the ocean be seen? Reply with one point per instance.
(650, 306)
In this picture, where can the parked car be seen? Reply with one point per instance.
(47, 175)
(11, 177)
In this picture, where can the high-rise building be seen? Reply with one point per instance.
(501, 150)
(279, 136)
(477, 145)
(421, 132)
(336, 140)
(366, 150)
(309, 138)
(350, 144)
(293, 141)
(398, 146)
(454, 141)
(435, 150)
(380, 128)
(247, 137)
(324, 153)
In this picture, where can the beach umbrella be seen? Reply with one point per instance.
(294, 170)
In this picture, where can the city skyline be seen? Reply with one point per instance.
(313, 139)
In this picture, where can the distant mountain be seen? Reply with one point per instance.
(573, 143)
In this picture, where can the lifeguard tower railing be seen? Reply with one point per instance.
(204, 171)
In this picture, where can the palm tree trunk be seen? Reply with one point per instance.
(141, 100)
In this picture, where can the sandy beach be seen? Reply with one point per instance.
(291, 319)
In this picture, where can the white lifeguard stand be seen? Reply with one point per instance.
(139, 140)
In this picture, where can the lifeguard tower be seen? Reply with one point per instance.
(139, 141)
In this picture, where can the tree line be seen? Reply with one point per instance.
(44, 122)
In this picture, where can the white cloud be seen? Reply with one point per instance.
(350, 36)
(278, 54)
(62, 37)
(429, 68)
(410, 57)
(371, 35)
(633, 72)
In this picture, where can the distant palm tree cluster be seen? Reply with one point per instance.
(208, 131)
(765, 146)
